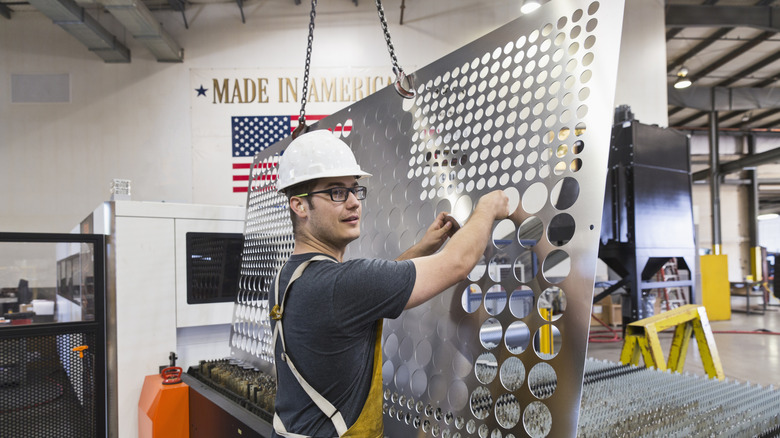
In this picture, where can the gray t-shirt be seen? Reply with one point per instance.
(330, 327)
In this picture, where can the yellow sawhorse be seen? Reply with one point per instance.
(688, 319)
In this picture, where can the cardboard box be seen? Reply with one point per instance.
(608, 312)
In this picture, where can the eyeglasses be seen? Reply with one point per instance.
(340, 194)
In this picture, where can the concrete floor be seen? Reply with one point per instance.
(751, 358)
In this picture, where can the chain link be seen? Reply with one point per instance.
(302, 117)
(381, 11)
(404, 85)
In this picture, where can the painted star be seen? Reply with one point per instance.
(201, 91)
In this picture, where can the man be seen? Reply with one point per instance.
(327, 313)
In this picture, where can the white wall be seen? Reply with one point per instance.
(132, 121)
(642, 68)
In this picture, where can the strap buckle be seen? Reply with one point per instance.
(276, 312)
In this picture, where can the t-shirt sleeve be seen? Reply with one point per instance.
(367, 290)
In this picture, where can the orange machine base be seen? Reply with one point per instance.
(163, 410)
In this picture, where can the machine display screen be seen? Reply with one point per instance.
(213, 263)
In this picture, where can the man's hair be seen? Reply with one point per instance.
(299, 189)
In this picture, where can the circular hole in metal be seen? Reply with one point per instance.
(490, 333)
(479, 270)
(525, 267)
(483, 431)
(556, 266)
(495, 300)
(559, 168)
(480, 402)
(585, 77)
(542, 380)
(486, 368)
(537, 420)
(565, 193)
(521, 302)
(514, 198)
(547, 341)
(561, 228)
(512, 374)
(534, 197)
(576, 165)
(551, 303)
(530, 231)
(579, 145)
(471, 426)
(589, 42)
(503, 233)
(587, 59)
(507, 411)
(472, 298)
(575, 32)
(517, 337)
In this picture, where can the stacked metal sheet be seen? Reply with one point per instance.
(627, 401)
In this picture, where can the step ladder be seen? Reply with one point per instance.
(673, 296)
(641, 338)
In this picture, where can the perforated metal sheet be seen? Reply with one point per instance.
(527, 109)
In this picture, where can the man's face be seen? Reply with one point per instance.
(335, 223)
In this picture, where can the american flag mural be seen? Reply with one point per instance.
(252, 134)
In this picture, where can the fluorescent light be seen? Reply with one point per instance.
(529, 6)
(768, 216)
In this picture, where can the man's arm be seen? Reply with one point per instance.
(437, 272)
(433, 239)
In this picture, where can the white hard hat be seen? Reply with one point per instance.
(313, 155)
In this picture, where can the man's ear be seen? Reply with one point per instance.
(298, 206)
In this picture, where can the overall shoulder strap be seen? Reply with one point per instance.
(277, 313)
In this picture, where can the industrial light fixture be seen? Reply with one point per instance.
(529, 6)
(682, 79)
(768, 216)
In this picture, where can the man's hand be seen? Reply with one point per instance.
(434, 238)
(495, 203)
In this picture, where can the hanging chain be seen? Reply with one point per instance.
(301, 128)
(403, 83)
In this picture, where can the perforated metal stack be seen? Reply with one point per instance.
(621, 401)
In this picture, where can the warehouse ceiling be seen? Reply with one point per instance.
(731, 46)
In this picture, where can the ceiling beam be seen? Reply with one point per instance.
(671, 33)
(5, 11)
(760, 17)
(680, 60)
(750, 69)
(84, 27)
(145, 28)
(767, 157)
(760, 116)
(730, 56)
(764, 115)
(687, 120)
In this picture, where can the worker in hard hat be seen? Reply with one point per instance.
(327, 313)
